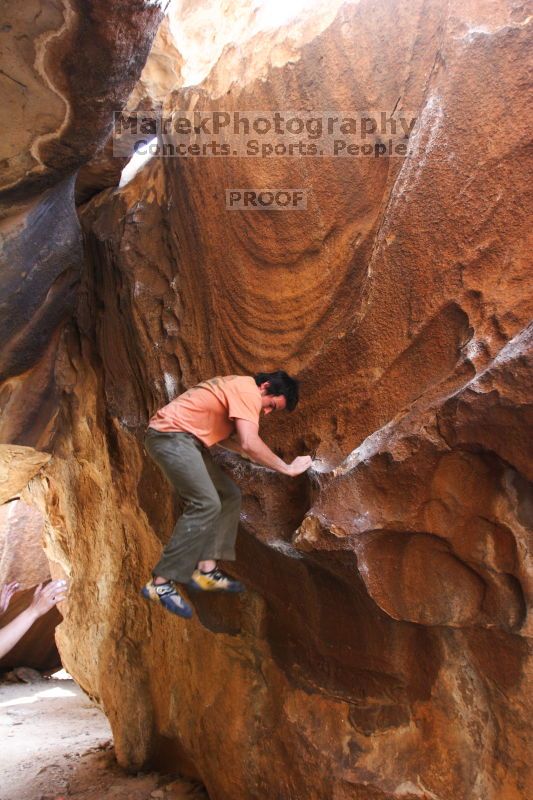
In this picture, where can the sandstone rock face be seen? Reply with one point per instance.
(102, 171)
(382, 650)
(238, 41)
(78, 61)
(65, 68)
(18, 465)
(161, 74)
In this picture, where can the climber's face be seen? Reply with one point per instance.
(271, 402)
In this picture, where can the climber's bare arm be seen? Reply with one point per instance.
(233, 445)
(255, 448)
(44, 598)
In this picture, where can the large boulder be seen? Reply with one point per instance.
(381, 650)
(66, 68)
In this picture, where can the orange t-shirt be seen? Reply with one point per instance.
(209, 409)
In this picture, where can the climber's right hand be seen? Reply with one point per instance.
(299, 465)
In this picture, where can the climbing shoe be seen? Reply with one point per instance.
(214, 581)
(167, 596)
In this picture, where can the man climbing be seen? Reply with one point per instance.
(178, 439)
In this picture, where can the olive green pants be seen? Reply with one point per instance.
(207, 529)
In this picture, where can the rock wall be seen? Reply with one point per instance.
(65, 68)
(381, 650)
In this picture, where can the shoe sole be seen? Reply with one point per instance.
(195, 588)
(186, 613)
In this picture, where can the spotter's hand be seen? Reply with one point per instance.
(45, 597)
(6, 593)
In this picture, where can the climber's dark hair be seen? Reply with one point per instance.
(280, 384)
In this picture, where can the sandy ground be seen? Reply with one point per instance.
(55, 744)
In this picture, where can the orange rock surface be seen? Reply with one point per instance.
(65, 67)
(382, 648)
